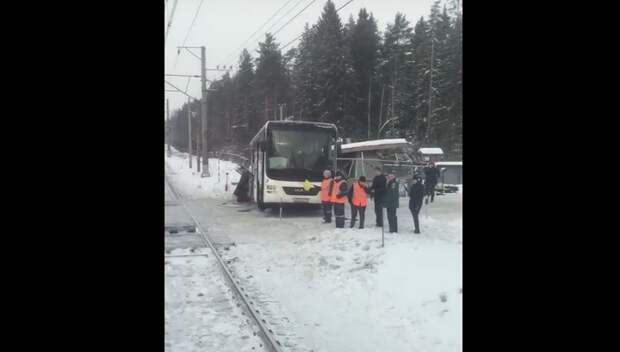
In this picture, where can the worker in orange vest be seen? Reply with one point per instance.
(326, 198)
(359, 199)
(339, 198)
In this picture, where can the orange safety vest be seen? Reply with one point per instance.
(335, 191)
(359, 195)
(325, 197)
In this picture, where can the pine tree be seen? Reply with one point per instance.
(328, 66)
(243, 123)
(304, 76)
(438, 125)
(421, 46)
(363, 43)
(414, 76)
(270, 83)
(397, 74)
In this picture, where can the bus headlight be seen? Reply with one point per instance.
(270, 188)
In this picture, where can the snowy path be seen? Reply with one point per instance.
(336, 289)
(200, 312)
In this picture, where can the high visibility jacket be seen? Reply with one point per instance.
(359, 195)
(325, 196)
(340, 188)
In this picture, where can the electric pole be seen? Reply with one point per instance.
(189, 132)
(203, 146)
(168, 126)
(430, 94)
(203, 112)
(381, 108)
(369, 91)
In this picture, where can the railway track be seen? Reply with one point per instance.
(193, 231)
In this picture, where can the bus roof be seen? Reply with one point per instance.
(376, 144)
(290, 123)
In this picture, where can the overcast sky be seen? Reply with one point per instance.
(222, 26)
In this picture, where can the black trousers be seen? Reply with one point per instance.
(430, 191)
(327, 211)
(354, 211)
(339, 213)
(392, 220)
(378, 212)
(415, 211)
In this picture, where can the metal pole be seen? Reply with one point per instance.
(198, 149)
(281, 106)
(168, 126)
(430, 94)
(189, 137)
(381, 108)
(369, 91)
(203, 112)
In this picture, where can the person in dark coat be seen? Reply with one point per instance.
(431, 175)
(416, 196)
(378, 190)
(358, 196)
(390, 201)
(339, 198)
(243, 187)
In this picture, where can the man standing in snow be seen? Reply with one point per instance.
(431, 174)
(416, 195)
(339, 198)
(390, 201)
(326, 189)
(241, 191)
(359, 200)
(378, 189)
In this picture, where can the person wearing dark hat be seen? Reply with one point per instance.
(391, 199)
(431, 178)
(416, 197)
(359, 199)
(339, 198)
(378, 190)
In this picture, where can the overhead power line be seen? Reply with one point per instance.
(227, 57)
(174, 7)
(299, 36)
(289, 21)
(193, 21)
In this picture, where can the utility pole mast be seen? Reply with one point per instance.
(429, 122)
(203, 112)
(168, 128)
(381, 108)
(189, 132)
(369, 90)
(203, 146)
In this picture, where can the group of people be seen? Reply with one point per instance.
(384, 191)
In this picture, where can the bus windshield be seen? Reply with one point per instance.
(299, 154)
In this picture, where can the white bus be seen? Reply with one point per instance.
(287, 160)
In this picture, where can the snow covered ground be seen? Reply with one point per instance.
(342, 292)
(200, 314)
(189, 183)
(337, 289)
